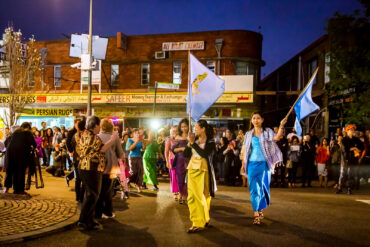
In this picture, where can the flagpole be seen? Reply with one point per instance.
(189, 91)
(304, 89)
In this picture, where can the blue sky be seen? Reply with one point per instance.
(287, 26)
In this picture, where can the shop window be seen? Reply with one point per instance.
(57, 76)
(145, 74)
(31, 79)
(312, 66)
(177, 69)
(211, 65)
(114, 74)
(241, 68)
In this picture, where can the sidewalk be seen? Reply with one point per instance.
(47, 210)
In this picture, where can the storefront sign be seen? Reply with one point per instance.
(122, 98)
(183, 46)
(167, 85)
(49, 112)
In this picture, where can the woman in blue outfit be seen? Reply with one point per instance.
(261, 155)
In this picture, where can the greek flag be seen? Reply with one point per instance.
(305, 106)
(205, 88)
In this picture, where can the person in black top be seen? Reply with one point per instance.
(220, 158)
(353, 147)
(313, 138)
(308, 159)
(283, 146)
(201, 179)
(18, 157)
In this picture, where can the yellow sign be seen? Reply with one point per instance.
(50, 112)
(124, 98)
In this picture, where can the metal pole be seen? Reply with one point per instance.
(189, 91)
(90, 53)
(155, 98)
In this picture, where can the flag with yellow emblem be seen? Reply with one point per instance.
(204, 90)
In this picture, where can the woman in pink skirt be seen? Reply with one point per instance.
(169, 155)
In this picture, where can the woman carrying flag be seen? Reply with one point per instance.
(201, 179)
(261, 155)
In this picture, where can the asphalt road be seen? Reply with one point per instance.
(297, 217)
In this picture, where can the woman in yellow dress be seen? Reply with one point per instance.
(201, 178)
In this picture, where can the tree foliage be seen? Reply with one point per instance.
(349, 37)
(20, 64)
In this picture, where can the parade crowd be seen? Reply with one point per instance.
(103, 161)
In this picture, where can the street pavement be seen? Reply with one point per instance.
(297, 217)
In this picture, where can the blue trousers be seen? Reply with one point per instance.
(259, 178)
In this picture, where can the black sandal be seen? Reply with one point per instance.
(194, 229)
(256, 220)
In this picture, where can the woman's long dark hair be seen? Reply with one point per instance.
(261, 115)
(208, 128)
(184, 120)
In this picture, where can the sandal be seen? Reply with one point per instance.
(256, 220)
(194, 229)
(261, 216)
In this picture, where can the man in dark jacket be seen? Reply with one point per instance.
(79, 126)
(18, 156)
(354, 147)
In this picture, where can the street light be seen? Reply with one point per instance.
(218, 45)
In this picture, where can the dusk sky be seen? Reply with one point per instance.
(287, 26)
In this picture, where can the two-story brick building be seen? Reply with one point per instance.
(132, 66)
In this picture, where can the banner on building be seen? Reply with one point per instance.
(121, 98)
(183, 46)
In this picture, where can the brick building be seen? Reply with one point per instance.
(132, 66)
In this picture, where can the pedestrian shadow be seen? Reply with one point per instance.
(116, 234)
(120, 205)
(148, 194)
(220, 238)
(224, 210)
(231, 199)
(278, 228)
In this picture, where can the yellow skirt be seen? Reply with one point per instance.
(199, 199)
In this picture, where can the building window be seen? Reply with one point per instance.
(250, 69)
(241, 68)
(312, 66)
(145, 72)
(177, 72)
(211, 65)
(114, 74)
(57, 76)
(31, 79)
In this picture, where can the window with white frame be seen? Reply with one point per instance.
(145, 73)
(114, 74)
(211, 65)
(177, 69)
(241, 68)
(57, 76)
(31, 79)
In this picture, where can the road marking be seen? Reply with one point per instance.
(364, 201)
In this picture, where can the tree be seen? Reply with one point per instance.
(349, 38)
(17, 70)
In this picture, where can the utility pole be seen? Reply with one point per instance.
(90, 60)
